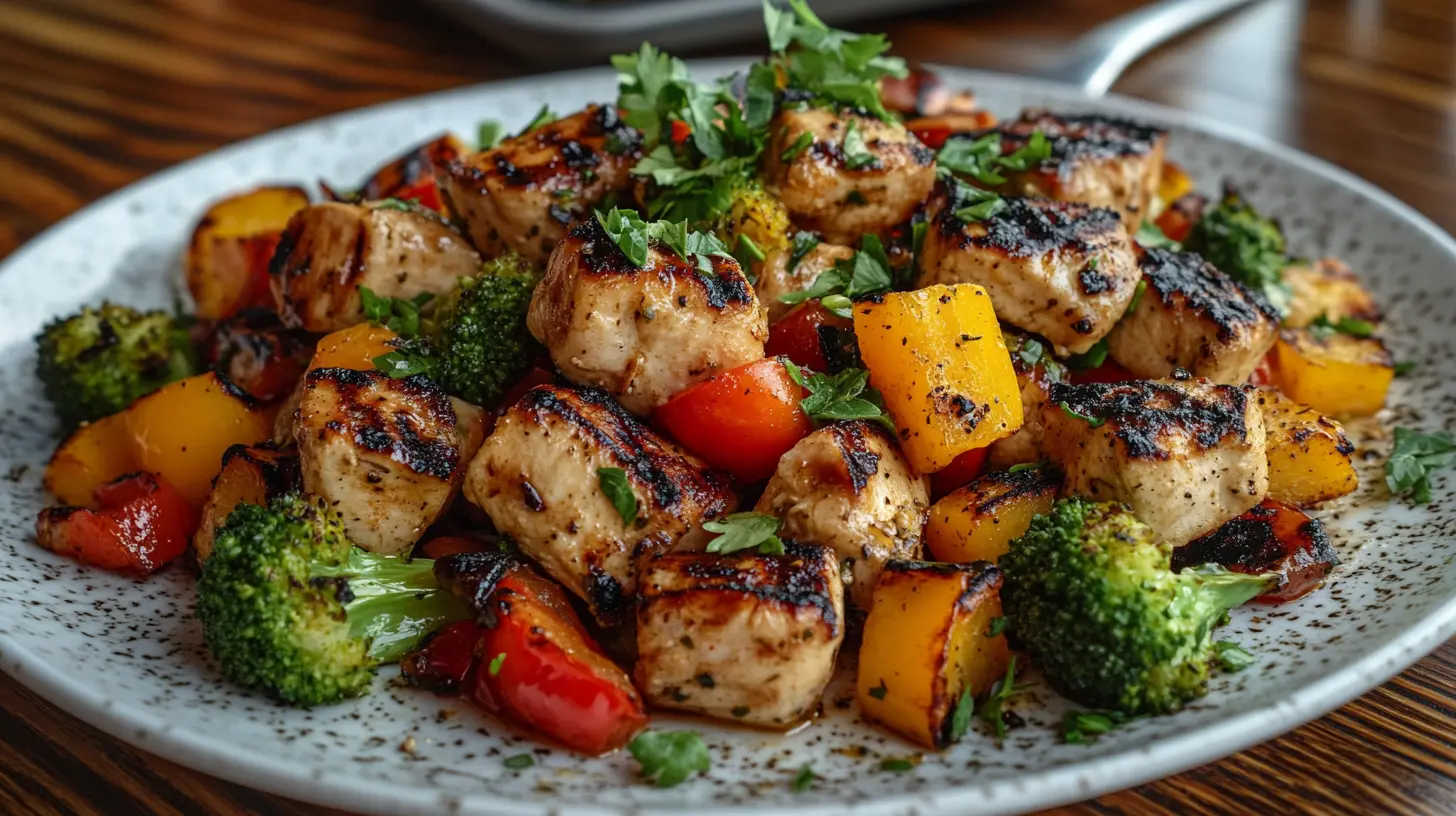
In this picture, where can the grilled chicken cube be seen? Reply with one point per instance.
(781, 274)
(848, 487)
(1186, 456)
(1036, 370)
(846, 174)
(1272, 537)
(537, 477)
(643, 334)
(1064, 271)
(388, 454)
(1095, 159)
(522, 194)
(1327, 288)
(330, 251)
(1194, 317)
(744, 637)
(250, 474)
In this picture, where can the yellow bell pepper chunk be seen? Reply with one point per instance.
(1309, 454)
(1333, 373)
(979, 521)
(93, 455)
(926, 643)
(938, 358)
(354, 348)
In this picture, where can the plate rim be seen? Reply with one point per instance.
(1059, 785)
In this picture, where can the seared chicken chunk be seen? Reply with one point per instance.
(1036, 370)
(1186, 456)
(1196, 318)
(537, 477)
(388, 454)
(643, 334)
(1095, 159)
(745, 637)
(522, 194)
(781, 274)
(329, 251)
(851, 174)
(1327, 288)
(1064, 271)
(848, 487)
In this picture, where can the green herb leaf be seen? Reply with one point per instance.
(542, 118)
(846, 395)
(804, 243)
(992, 709)
(488, 134)
(980, 159)
(1246, 246)
(896, 765)
(1137, 296)
(973, 204)
(745, 531)
(998, 624)
(397, 314)
(628, 231)
(496, 663)
(1321, 327)
(1151, 236)
(960, 719)
(804, 779)
(1405, 367)
(866, 272)
(879, 692)
(1084, 727)
(857, 155)
(1092, 422)
(747, 253)
(1231, 657)
(668, 758)
(618, 489)
(834, 67)
(799, 146)
(519, 762)
(1415, 456)
(1091, 358)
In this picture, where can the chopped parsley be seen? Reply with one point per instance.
(618, 490)
(1405, 367)
(668, 758)
(897, 765)
(1322, 327)
(634, 237)
(1246, 246)
(804, 779)
(1084, 727)
(1151, 236)
(1092, 421)
(866, 272)
(857, 155)
(980, 159)
(846, 395)
(488, 134)
(1415, 456)
(804, 243)
(519, 762)
(799, 146)
(1231, 656)
(410, 357)
(543, 117)
(1091, 358)
(745, 531)
(879, 692)
(399, 315)
(1137, 295)
(496, 663)
(960, 719)
(992, 709)
(833, 68)
(997, 626)
(975, 204)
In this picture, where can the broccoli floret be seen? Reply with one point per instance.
(96, 362)
(1244, 245)
(1090, 595)
(481, 346)
(757, 216)
(290, 608)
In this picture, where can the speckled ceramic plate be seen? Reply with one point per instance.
(127, 656)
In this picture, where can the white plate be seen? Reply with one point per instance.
(127, 657)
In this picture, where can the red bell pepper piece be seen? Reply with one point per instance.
(812, 337)
(443, 664)
(958, 473)
(141, 523)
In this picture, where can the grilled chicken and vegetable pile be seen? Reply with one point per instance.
(657, 405)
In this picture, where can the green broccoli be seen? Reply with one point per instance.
(94, 363)
(289, 607)
(478, 334)
(1244, 245)
(1090, 595)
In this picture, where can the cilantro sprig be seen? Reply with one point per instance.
(993, 709)
(981, 159)
(1151, 236)
(1415, 456)
(399, 315)
(867, 272)
(634, 237)
(846, 395)
(1084, 727)
(618, 490)
(1322, 327)
(668, 758)
(745, 531)
(833, 67)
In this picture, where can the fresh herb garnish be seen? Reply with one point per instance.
(1405, 367)
(980, 159)
(992, 709)
(896, 765)
(614, 484)
(866, 272)
(804, 243)
(488, 134)
(846, 395)
(496, 663)
(804, 779)
(519, 762)
(1322, 327)
(1414, 457)
(1137, 296)
(1231, 656)
(1091, 358)
(974, 204)
(997, 626)
(833, 67)
(799, 146)
(1246, 246)
(410, 357)
(960, 719)
(543, 117)
(399, 315)
(857, 155)
(1092, 422)
(747, 253)
(634, 237)
(1084, 727)
(1151, 236)
(668, 758)
(879, 692)
(745, 531)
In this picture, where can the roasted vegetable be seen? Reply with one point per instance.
(979, 521)
(1333, 372)
(938, 358)
(1327, 289)
(930, 648)
(741, 420)
(1090, 594)
(356, 347)
(479, 331)
(1273, 538)
(1309, 454)
(409, 177)
(756, 219)
(227, 260)
(291, 609)
(91, 456)
(813, 337)
(256, 352)
(250, 474)
(140, 525)
(1244, 245)
(94, 363)
(181, 432)
(1174, 184)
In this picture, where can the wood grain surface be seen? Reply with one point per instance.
(95, 94)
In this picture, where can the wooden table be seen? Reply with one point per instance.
(95, 94)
